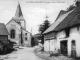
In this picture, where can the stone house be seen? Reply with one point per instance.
(67, 33)
(17, 29)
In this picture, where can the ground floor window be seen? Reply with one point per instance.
(12, 33)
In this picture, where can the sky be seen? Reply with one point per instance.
(34, 11)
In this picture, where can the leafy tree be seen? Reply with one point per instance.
(32, 41)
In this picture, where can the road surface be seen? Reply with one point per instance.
(21, 54)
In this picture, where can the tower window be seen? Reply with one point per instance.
(12, 33)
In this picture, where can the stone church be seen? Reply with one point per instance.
(17, 29)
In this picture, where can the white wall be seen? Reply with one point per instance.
(59, 36)
(28, 36)
(50, 45)
(46, 46)
(75, 35)
(23, 24)
(13, 25)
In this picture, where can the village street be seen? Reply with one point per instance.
(23, 53)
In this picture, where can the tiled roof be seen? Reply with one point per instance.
(3, 29)
(57, 22)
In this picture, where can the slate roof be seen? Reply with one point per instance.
(3, 29)
(54, 26)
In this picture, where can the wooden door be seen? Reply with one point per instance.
(63, 47)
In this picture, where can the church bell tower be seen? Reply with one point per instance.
(19, 17)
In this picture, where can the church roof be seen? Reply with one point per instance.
(3, 29)
(18, 13)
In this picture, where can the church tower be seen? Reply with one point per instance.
(19, 17)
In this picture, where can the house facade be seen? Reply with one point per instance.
(50, 38)
(67, 33)
(17, 29)
(69, 45)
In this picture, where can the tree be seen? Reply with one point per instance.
(77, 3)
(70, 8)
(42, 28)
(32, 41)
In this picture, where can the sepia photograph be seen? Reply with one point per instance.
(39, 30)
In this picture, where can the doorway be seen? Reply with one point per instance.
(63, 47)
(73, 49)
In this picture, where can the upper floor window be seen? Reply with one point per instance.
(67, 31)
(26, 38)
(25, 33)
(12, 34)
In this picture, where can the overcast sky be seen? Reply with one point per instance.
(34, 13)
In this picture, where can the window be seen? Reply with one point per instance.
(12, 33)
(67, 31)
(25, 33)
(26, 38)
(73, 42)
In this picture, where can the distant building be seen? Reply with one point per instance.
(17, 29)
(63, 36)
